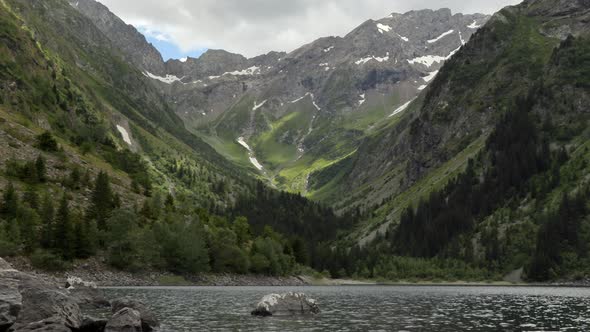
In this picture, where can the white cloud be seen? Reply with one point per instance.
(253, 27)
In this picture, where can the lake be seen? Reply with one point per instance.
(373, 308)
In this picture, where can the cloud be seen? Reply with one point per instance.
(253, 27)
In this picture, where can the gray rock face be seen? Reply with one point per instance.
(40, 303)
(391, 55)
(10, 298)
(286, 304)
(149, 321)
(125, 320)
(10, 305)
(125, 37)
(28, 303)
(46, 325)
(4, 265)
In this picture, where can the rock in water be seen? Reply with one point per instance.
(86, 293)
(286, 304)
(149, 322)
(125, 320)
(76, 282)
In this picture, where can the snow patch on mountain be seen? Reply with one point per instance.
(245, 72)
(383, 28)
(125, 134)
(169, 79)
(183, 59)
(255, 162)
(257, 106)
(430, 76)
(402, 108)
(362, 100)
(453, 52)
(314, 103)
(406, 39)
(251, 157)
(243, 143)
(474, 25)
(312, 100)
(326, 50)
(254, 70)
(427, 60)
(372, 57)
(432, 41)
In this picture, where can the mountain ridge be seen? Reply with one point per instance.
(341, 75)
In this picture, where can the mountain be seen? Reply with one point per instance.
(95, 162)
(453, 147)
(487, 169)
(300, 112)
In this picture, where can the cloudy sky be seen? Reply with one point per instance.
(252, 27)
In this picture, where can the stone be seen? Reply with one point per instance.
(41, 303)
(91, 324)
(86, 293)
(149, 321)
(46, 325)
(125, 320)
(286, 304)
(10, 304)
(4, 265)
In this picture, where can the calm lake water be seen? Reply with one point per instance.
(373, 308)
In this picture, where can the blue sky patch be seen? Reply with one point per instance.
(168, 49)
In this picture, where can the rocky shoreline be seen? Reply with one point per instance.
(31, 303)
(104, 276)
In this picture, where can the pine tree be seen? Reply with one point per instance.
(102, 203)
(47, 222)
(85, 238)
(41, 169)
(64, 231)
(31, 198)
(75, 178)
(28, 221)
(169, 203)
(10, 202)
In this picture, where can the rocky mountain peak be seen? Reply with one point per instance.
(125, 37)
(556, 7)
(298, 100)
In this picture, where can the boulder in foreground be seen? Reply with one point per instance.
(125, 320)
(286, 304)
(149, 321)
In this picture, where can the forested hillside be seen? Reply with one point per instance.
(500, 155)
(485, 173)
(94, 163)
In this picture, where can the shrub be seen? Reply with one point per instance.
(46, 142)
(7, 248)
(48, 261)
